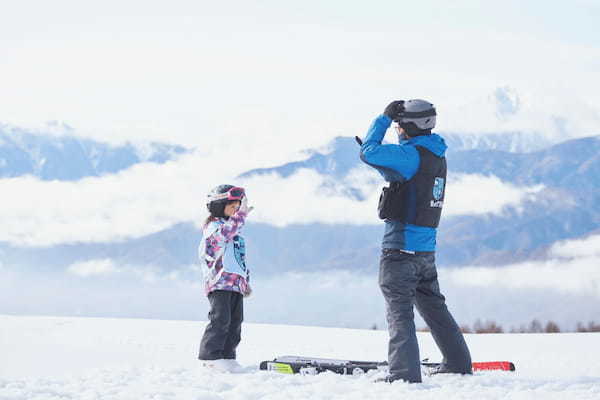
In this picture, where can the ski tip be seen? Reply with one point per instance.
(493, 366)
(282, 368)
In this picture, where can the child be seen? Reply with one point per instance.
(223, 260)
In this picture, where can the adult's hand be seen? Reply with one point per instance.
(394, 109)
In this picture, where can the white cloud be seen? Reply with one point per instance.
(327, 297)
(539, 113)
(587, 247)
(93, 268)
(567, 299)
(302, 198)
(108, 268)
(469, 194)
(141, 200)
(307, 197)
(560, 290)
(579, 276)
(148, 198)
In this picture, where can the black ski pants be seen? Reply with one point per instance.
(223, 332)
(408, 280)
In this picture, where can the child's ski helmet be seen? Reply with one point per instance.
(220, 196)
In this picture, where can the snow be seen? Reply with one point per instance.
(95, 358)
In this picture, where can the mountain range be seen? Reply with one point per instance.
(69, 158)
(564, 209)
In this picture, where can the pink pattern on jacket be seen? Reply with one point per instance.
(214, 251)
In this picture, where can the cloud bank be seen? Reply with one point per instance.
(586, 247)
(578, 276)
(148, 198)
(93, 268)
(566, 293)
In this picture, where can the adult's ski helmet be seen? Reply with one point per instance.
(220, 196)
(421, 113)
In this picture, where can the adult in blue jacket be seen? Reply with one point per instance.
(411, 206)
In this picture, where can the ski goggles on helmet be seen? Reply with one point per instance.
(235, 193)
(418, 112)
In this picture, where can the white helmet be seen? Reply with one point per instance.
(419, 112)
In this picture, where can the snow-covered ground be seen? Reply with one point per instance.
(95, 358)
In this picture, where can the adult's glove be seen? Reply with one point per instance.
(394, 109)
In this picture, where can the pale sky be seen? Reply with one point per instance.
(283, 76)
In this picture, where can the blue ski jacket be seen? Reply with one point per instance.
(400, 162)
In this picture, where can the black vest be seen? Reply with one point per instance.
(419, 200)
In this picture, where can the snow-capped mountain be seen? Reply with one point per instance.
(571, 163)
(67, 157)
(565, 208)
(512, 142)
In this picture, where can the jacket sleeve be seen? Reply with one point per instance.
(232, 226)
(214, 239)
(403, 160)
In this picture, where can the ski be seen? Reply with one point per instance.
(313, 366)
(493, 366)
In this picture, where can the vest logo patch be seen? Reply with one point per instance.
(436, 204)
(438, 189)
